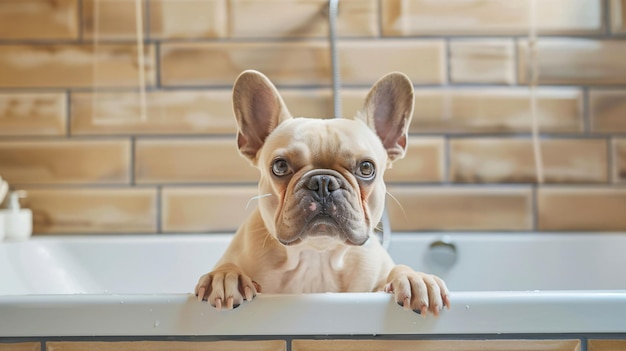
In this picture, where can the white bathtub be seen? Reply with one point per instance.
(511, 283)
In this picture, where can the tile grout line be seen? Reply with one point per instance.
(80, 19)
(588, 132)
(379, 23)
(157, 50)
(157, 68)
(146, 24)
(612, 175)
(132, 175)
(586, 111)
(309, 87)
(289, 343)
(606, 17)
(159, 209)
(447, 159)
(516, 63)
(68, 114)
(584, 341)
(447, 85)
(535, 207)
(448, 62)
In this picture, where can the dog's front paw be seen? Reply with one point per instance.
(417, 291)
(226, 287)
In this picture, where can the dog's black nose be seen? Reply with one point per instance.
(322, 185)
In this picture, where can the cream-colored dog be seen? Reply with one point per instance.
(321, 195)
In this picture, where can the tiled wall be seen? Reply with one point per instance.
(73, 134)
(571, 344)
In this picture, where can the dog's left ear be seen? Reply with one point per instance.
(388, 110)
(258, 110)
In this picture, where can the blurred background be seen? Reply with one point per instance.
(115, 115)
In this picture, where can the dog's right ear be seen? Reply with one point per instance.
(258, 110)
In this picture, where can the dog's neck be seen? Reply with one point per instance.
(322, 248)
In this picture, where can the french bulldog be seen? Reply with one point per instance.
(321, 195)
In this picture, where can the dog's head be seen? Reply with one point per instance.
(322, 177)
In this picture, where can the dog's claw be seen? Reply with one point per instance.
(248, 293)
(200, 294)
(218, 304)
(257, 286)
(446, 301)
(407, 304)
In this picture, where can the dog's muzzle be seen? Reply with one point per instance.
(324, 205)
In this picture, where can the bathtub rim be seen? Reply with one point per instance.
(496, 312)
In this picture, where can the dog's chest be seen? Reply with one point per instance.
(307, 271)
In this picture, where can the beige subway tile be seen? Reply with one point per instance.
(619, 160)
(167, 112)
(364, 62)
(424, 162)
(188, 19)
(459, 208)
(436, 345)
(490, 110)
(92, 210)
(482, 61)
(607, 109)
(74, 65)
(494, 160)
(575, 61)
(112, 19)
(206, 209)
(168, 19)
(33, 114)
(39, 19)
(252, 345)
(606, 345)
(191, 160)
(581, 208)
(308, 18)
(486, 110)
(20, 346)
(178, 111)
(494, 17)
(316, 103)
(618, 16)
(352, 101)
(302, 62)
(65, 161)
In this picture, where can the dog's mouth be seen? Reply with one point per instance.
(324, 225)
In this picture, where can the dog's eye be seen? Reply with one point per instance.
(366, 169)
(280, 167)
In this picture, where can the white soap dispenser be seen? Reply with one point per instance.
(18, 222)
